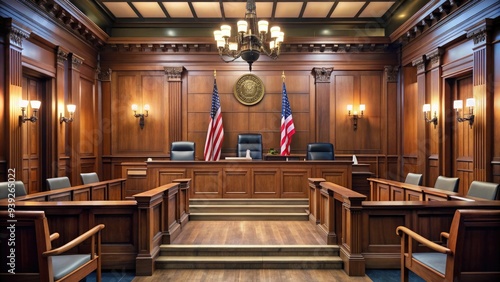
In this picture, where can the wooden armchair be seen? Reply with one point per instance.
(472, 253)
(32, 258)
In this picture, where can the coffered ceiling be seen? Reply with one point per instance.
(198, 17)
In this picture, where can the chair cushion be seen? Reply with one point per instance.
(320, 151)
(436, 261)
(447, 183)
(252, 142)
(414, 178)
(58, 183)
(65, 264)
(484, 190)
(182, 151)
(90, 177)
(20, 190)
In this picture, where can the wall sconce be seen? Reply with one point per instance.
(458, 105)
(35, 106)
(355, 115)
(71, 111)
(427, 114)
(140, 116)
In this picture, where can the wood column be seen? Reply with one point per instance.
(482, 79)
(435, 158)
(61, 130)
(15, 34)
(73, 144)
(391, 129)
(322, 82)
(103, 88)
(175, 109)
(422, 127)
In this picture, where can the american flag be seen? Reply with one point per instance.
(215, 133)
(287, 127)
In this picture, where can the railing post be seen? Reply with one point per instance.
(314, 199)
(183, 213)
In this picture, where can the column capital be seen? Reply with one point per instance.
(17, 33)
(322, 75)
(62, 55)
(174, 73)
(103, 75)
(480, 33)
(391, 73)
(420, 64)
(434, 57)
(76, 61)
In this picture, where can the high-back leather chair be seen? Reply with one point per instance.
(320, 151)
(18, 186)
(58, 183)
(447, 183)
(252, 142)
(484, 190)
(90, 177)
(414, 178)
(182, 151)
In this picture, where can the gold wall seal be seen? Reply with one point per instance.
(249, 89)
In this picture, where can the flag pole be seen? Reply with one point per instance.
(283, 76)
(215, 74)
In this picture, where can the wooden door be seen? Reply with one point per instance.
(31, 137)
(463, 141)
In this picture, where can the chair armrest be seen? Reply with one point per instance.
(75, 242)
(445, 235)
(426, 242)
(54, 236)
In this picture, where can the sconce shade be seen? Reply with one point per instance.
(426, 108)
(458, 104)
(470, 102)
(362, 107)
(134, 107)
(35, 105)
(146, 107)
(23, 103)
(349, 107)
(71, 108)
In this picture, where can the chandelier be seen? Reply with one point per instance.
(249, 45)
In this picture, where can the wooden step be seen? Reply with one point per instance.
(249, 257)
(249, 209)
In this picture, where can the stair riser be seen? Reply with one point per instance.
(319, 253)
(304, 217)
(246, 209)
(245, 202)
(248, 265)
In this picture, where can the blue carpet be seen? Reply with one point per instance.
(390, 275)
(113, 276)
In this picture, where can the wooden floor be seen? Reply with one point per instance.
(249, 233)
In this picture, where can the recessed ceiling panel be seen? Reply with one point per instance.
(178, 9)
(376, 9)
(149, 9)
(234, 10)
(347, 9)
(120, 9)
(207, 9)
(288, 9)
(264, 9)
(317, 9)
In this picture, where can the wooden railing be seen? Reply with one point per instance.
(390, 190)
(366, 230)
(112, 190)
(135, 228)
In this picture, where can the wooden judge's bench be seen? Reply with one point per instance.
(238, 178)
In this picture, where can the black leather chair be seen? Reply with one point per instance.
(182, 151)
(484, 190)
(320, 151)
(90, 177)
(413, 178)
(447, 183)
(58, 183)
(252, 142)
(19, 189)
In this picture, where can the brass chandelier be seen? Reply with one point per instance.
(249, 45)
